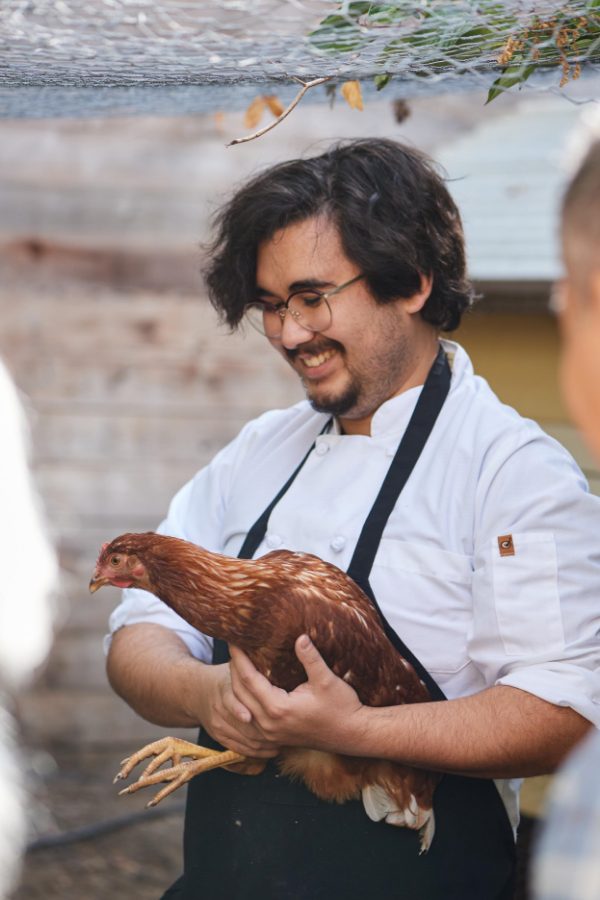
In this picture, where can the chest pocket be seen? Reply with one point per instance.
(426, 595)
(526, 595)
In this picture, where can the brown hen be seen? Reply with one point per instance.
(262, 606)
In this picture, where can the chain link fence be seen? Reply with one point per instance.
(81, 57)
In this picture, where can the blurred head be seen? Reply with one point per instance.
(395, 219)
(580, 295)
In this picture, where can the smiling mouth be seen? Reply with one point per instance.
(311, 362)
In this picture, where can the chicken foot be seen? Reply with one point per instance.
(202, 760)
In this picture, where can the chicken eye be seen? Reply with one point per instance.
(115, 560)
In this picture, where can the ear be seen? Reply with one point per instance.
(418, 300)
(135, 566)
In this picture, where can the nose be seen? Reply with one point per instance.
(293, 333)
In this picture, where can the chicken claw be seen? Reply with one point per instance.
(203, 759)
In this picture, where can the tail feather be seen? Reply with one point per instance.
(379, 804)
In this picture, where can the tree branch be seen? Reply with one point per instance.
(306, 85)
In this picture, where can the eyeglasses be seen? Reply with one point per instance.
(309, 308)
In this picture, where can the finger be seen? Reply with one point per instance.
(248, 746)
(314, 665)
(240, 663)
(247, 682)
(256, 692)
(234, 708)
(244, 738)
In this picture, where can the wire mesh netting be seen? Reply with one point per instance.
(71, 56)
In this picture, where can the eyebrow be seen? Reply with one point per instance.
(305, 283)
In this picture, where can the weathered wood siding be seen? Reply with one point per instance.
(131, 395)
(131, 384)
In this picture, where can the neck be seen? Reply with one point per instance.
(208, 590)
(423, 360)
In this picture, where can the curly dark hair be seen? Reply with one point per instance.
(395, 216)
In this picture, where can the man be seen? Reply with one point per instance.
(567, 864)
(351, 263)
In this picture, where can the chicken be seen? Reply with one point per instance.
(226, 598)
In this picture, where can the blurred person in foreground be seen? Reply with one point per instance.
(470, 528)
(28, 576)
(567, 859)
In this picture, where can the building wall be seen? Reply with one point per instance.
(520, 357)
(130, 394)
(130, 382)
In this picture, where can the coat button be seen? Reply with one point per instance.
(338, 543)
(322, 448)
(273, 541)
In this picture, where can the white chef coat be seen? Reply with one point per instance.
(474, 617)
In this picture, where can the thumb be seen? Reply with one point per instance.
(312, 661)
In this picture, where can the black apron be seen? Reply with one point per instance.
(265, 837)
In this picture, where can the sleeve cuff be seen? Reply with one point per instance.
(140, 606)
(562, 684)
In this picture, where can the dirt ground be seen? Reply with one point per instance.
(137, 861)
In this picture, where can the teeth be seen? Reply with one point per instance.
(314, 361)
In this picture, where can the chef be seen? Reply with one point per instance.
(470, 529)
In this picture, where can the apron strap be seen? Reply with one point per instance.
(429, 404)
(419, 428)
(435, 691)
(431, 400)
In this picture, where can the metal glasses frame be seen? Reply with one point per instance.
(283, 308)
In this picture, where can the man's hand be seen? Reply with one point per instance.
(227, 720)
(153, 670)
(317, 713)
(501, 732)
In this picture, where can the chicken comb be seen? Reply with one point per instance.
(102, 549)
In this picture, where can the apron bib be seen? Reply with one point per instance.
(265, 837)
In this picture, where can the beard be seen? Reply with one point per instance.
(369, 382)
(334, 404)
(337, 404)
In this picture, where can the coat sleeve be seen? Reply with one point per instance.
(195, 514)
(536, 588)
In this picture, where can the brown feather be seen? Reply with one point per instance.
(262, 606)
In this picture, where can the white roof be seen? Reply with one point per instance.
(507, 176)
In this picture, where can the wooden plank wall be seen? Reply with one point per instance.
(130, 383)
(131, 394)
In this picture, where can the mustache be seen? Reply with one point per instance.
(314, 348)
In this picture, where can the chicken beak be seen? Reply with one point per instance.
(97, 582)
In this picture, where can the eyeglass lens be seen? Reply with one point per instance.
(309, 310)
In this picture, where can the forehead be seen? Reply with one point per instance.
(308, 249)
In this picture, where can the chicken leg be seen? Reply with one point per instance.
(202, 759)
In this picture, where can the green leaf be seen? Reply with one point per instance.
(382, 80)
(340, 33)
(511, 76)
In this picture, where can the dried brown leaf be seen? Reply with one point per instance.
(274, 104)
(254, 113)
(352, 94)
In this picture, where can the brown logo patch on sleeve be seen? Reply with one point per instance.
(506, 545)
